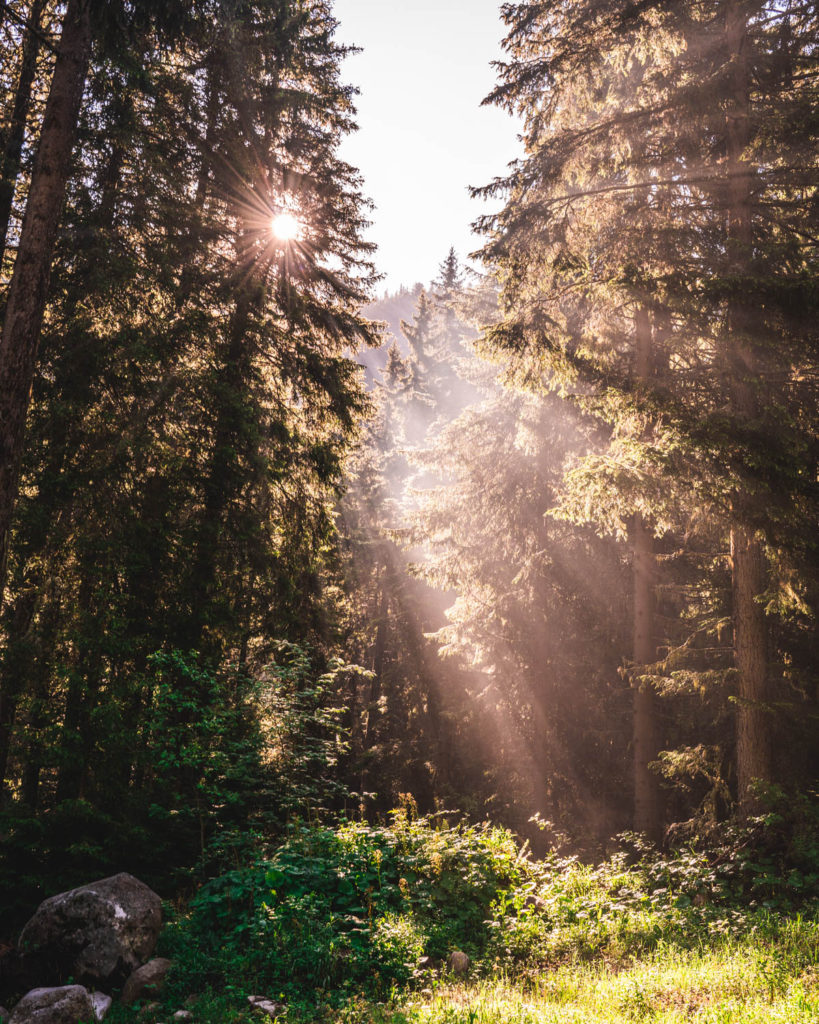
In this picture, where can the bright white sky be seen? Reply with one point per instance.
(424, 136)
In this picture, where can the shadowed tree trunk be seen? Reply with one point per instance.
(224, 476)
(13, 678)
(747, 556)
(13, 144)
(29, 284)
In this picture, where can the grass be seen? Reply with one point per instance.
(737, 982)
(767, 976)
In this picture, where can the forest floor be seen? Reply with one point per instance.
(352, 926)
(731, 985)
(733, 982)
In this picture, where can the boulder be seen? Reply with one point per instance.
(101, 1004)
(147, 981)
(457, 962)
(99, 932)
(70, 1004)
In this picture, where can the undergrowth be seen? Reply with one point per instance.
(361, 914)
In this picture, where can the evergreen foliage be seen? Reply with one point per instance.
(546, 555)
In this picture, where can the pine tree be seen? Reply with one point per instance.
(654, 178)
(194, 403)
(27, 296)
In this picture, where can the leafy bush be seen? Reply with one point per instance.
(354, 908)
(736, 880)
(362, 910)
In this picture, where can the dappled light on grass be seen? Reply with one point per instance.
(729, 985)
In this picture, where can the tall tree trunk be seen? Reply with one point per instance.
(76, 737)
(379, 651)
(645, 731)
(13, 145)
(750, 659)
(32, 268)
(36, 745)
(223, 479)
(12, 676)
(647, 802)
(747, 555)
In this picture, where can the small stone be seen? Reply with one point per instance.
(182, 1016)
(101, 1004)
(148, 980)
(69, 1004)
(267, 1006)
(458, 962)
(149, 1009)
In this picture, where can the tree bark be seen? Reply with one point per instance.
(13, 145)
(379, 652)
(747, 555)
(750, 657)
(12, 676)
(29, 284)
(645, 731)
(646, 746)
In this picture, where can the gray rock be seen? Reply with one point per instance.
(457, 962)
(146, 981)
(182, 1016)
(98, 932)
(267, 1006)
(70, 1004)
(101, 1004)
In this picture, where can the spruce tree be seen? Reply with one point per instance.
(194, 403)
(655, 178)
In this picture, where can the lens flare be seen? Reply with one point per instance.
(286, 227)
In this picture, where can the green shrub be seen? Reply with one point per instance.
(362, 910)
(348, 909)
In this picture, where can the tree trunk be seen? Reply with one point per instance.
(747, 555)
(13, 147)
(76, 735)
(379, 650)
(750, 657)
(12, 678)
(644, 649)
(223, 480)
(645, 731)
(29, 284)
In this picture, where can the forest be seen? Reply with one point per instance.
(377, 629)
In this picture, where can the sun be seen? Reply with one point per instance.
(286, 227)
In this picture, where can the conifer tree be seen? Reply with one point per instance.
(654, 178)
(194, 404)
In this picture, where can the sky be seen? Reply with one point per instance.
(424, 137)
